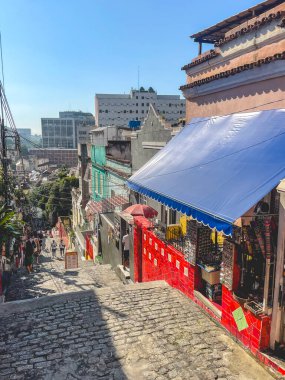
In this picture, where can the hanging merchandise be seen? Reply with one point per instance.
(227, 265)
(267, 224)
(190, 242)
(258, 233)
(256, 255)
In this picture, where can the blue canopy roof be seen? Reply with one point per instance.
(217, 168)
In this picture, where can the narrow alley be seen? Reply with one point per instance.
(78, 331)
(50, 277)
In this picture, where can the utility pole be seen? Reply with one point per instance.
(6, 133)
(4, 158)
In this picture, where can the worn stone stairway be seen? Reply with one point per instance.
(143, 331)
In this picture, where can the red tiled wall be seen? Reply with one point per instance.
(156, 265)
(164, 262)
(256, 336)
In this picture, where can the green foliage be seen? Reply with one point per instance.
(10, 225)
(12, 184)
(55, 197)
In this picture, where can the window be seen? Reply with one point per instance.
(143, 104)
(69, 131)
(101, 184)
(181, 112)
(100, 111)
(142, 111)
(172, 216)
(137, 97)
(51, 130)
(96, 182)
(131, 111)
(137, 111)
(169, 104)
(63, 131)
(137, 118)
(125, 111)
(142, 97)
(106, 111)
(163, 214)
(137, 104)
(45, 131)
(147, 104)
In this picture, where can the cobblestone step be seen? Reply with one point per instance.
(50, 277)
(138, 332)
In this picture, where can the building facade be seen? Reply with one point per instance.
(66, 131)
(119, 110)
(237, 276)
(58, 157)
(245, 69)
(100, 138)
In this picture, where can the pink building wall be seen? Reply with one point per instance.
(248, 89)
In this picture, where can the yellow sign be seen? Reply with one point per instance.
(220, 237)
(173, 232)
(183, 223)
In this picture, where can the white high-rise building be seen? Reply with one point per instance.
(119, 110)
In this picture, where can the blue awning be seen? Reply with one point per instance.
(217, 168)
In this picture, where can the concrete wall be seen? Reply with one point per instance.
(268, 94)
(154, 130)
(111, 254)
(119, 150)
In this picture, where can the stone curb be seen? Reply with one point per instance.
(36, 303)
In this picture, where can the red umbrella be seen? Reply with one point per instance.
(141, 210)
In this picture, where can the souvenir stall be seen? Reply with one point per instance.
(252, 251)
(247, 274)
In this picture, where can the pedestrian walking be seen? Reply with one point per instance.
(126, 253)
(37, 249)
(29, 255)
(53, 248)
(22, 249)
(61, 248)
(43, 242)
(5, 269)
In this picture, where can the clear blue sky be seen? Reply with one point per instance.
(59, 53)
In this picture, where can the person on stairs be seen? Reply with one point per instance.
(53, 248)
(61, 248)
(126, 254)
